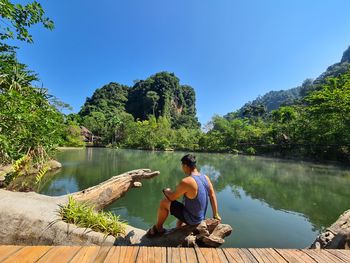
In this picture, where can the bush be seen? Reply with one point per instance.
(250, 151)
(84, 215)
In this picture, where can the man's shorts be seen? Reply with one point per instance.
(177, 210)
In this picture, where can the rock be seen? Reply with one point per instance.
(32, 219)
(213, 241)
(222, 230)
(337, 236)
(53, 164)
(202, 230)
(190, 241)
(186, 236)
(211, 224)
(137, 184)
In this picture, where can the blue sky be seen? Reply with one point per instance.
(229, 51)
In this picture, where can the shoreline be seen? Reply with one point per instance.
(269, 156)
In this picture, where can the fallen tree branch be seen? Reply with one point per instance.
(108, 191)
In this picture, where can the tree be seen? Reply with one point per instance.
(153, 98)
(30, 123)
(17, 18)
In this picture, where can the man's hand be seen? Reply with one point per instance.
(179, 191)
(217, 217)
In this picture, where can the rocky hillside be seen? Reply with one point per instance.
(160, 95)
(274, 99)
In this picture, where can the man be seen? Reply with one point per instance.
(196, 189)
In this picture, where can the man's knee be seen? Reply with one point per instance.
(165, 203)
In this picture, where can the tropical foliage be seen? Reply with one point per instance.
(30, 123)
(84, 215)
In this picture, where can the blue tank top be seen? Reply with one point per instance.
(196, 208)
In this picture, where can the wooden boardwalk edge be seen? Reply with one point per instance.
(121, 254)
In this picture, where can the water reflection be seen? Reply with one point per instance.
(269, 202)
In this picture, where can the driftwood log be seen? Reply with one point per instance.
(337, 236)
(108, 191)
(32, 219)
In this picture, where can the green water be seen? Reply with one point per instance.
(268, 202)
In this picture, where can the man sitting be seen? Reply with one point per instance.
(196, 189)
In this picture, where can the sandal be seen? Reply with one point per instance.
(153, 231)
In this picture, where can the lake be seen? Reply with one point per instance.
(269, 202)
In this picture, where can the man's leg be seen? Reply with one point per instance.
(179, 223)
(163, 212)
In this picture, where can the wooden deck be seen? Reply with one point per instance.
(161, 254)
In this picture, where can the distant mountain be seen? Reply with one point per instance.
(160, 95)
(274, 99)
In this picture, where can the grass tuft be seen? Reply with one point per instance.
(84, 215)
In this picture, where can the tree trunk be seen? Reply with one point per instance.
(108, 191)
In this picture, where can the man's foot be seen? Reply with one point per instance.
(153, 231)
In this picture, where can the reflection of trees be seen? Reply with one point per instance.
(318, 192)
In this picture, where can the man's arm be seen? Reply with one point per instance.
(213, 202)
(179, 191)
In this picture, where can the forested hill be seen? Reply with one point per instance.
(160, 95)
(274, 99)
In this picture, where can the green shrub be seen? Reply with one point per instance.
(250, 151)
(84, 215)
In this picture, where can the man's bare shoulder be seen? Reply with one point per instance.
(188, 181)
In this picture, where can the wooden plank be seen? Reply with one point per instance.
(200, 257)
(113, 255)
(295, 256)
(207, 254)
(212, 255)
(175, 253)
(102, 254)
(267, 255)
(122, 254)
(232, 255)
(239, 255)
(60, 254)
(163, 254)
(339, 253)
(86, 254)
(320, 256)
(151, 255)
(142, 256)
(6, 251)
(28, 254)
(190, 255)
(182, 254)
(221, 255)
(131, 254)
(169, 254)
(273, 254)
(262, 256)
(344, 251)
